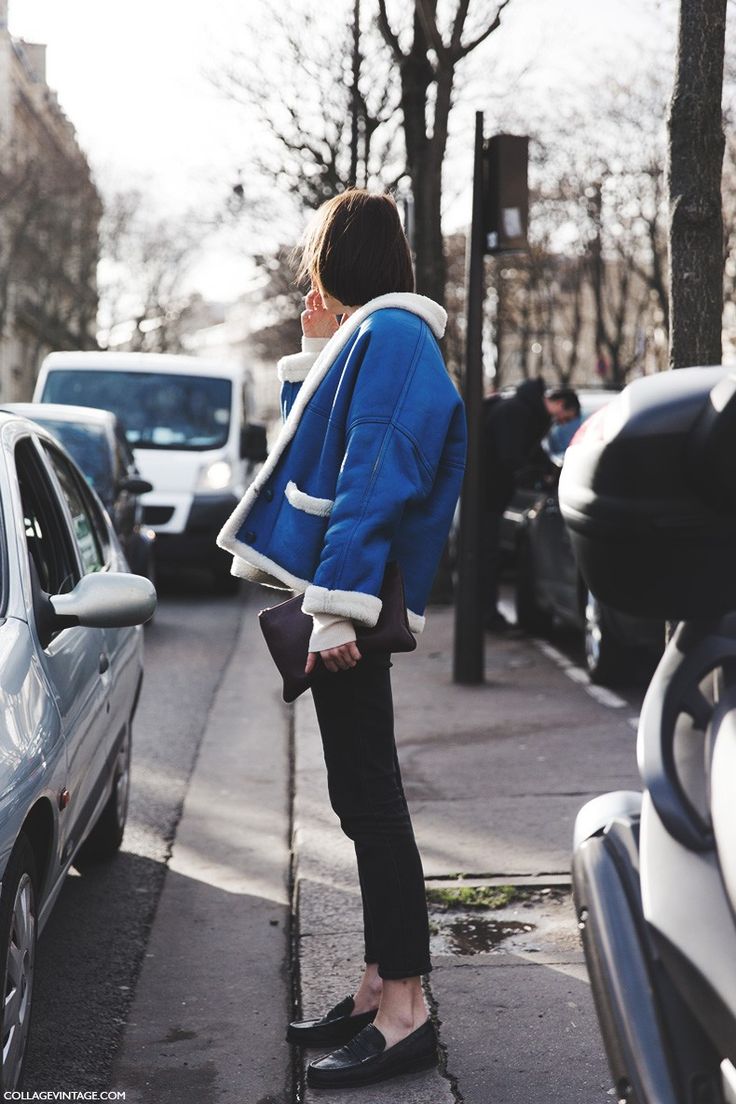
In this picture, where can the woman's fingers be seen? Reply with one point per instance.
(311, 661)
(342, 658)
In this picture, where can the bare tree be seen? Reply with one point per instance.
(427, 70)
(145, 263)
(696, 146)
(305, 108)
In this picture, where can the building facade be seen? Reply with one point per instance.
(49, 220)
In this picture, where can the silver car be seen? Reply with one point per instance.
(71, 665)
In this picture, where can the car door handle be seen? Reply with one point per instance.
(104, 662)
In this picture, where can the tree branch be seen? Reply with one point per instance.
(427, 17)
(390, 37)
(458, 25)
(463, 51)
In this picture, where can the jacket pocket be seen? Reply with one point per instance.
(297, 539)
(308, 504)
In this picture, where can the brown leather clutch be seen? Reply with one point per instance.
(287, 631)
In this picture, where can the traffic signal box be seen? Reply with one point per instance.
(505, 194)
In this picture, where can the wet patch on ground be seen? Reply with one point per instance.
(499, 920)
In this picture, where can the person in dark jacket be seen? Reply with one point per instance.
(513, 428)
(366, 471)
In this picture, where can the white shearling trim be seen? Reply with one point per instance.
(352, 604)
(436, 318)
(257, 568)
(300, 500)
(295, 368)
(416, 621)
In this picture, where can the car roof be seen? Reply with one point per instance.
(142, 362)
(61, 412)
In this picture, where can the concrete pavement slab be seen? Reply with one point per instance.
(519, 1032)
(495, 774)
(213, 997)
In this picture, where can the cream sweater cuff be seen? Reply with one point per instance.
(330, 632)
(313, 344)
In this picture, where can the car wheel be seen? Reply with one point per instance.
(18, 933)
(529, 614)
(107, 835)
(605, 656)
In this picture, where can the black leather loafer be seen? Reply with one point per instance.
(333, 1029)
(365, 1059)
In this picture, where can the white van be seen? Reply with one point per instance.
(186, 420)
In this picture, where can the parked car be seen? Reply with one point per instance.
(71, 665)
(186, 420)
(534, 477)
(550, 588)
(96, 441)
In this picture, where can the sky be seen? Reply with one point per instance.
(134, 77)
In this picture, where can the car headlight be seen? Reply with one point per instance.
(215, 476)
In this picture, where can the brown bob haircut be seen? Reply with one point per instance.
(356, 248)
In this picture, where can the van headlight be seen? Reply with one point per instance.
(215, 476)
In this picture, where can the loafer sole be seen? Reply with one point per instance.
(353, 1079)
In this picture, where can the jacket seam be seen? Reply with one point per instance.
(404, 432)
(391, 425)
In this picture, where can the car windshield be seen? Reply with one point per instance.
(89, 446)
(158, 411)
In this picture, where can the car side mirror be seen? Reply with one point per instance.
(134, 485)
(253, 443)
(107, 600)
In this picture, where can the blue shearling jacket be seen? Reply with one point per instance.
(367, 467)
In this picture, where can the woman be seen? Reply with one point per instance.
(366, 470)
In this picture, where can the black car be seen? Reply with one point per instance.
(550, 589)
(95, 439)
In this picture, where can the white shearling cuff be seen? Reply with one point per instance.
(295, 368)
(416, 622)
(352, 604)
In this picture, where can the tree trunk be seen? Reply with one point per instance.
(696, 146)
(424, 156)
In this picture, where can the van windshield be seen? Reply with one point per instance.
(158, 411)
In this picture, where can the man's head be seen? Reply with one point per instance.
(562, 405)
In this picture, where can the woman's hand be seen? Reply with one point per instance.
(335, 659)
(316, 321)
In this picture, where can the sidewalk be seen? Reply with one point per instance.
(494, 776)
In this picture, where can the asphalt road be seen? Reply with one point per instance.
(91, 950)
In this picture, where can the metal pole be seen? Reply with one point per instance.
(469, 658)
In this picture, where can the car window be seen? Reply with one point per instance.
(89, 446)
(123, 455)
(47, 533)
(159, 410)
(87, 528)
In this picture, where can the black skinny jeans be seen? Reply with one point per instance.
(356, 720)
